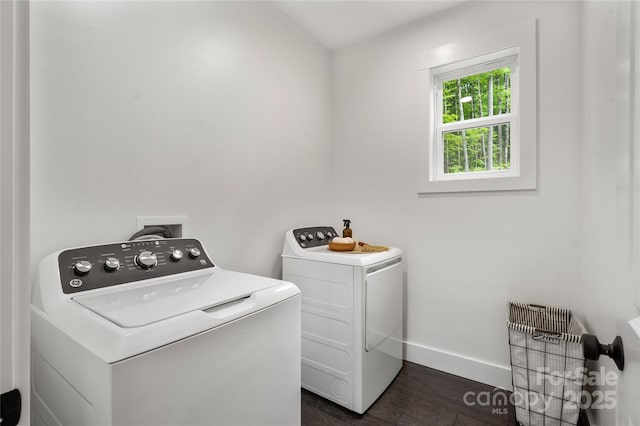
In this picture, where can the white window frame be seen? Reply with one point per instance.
(515, 46)
(503, 59)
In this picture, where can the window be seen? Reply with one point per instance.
(478, 139)
(474, 119)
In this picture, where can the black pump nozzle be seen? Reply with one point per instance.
(347, 222)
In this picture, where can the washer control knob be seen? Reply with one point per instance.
(146, 260)
(82, 267)
(111, 264)
(302, 237)
(194, 252)
(310, 236)
(320, 235)
(330, 234)
(176, 255)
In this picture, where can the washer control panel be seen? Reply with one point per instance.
(88, 268)
(314, 236)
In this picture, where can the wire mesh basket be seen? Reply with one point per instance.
(547, 364)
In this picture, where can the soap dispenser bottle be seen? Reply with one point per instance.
(346, 232)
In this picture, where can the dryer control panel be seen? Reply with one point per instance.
(314, 236)
(88, 268)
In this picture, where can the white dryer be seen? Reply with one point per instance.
(152, 333)
(351, 316)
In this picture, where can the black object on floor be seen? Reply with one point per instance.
(10, 407)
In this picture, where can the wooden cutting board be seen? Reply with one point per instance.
(358, 249)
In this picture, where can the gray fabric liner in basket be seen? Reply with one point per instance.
(547, 364)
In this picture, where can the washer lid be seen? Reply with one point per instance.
(146, 304)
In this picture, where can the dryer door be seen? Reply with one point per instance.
(383, 302)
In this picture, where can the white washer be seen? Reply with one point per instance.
(152, 333)
(351, 317)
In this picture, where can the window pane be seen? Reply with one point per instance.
(476, 96)
(470, 151)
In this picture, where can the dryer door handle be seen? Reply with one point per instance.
(382, 266)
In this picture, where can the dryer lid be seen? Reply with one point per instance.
(323, 254)
(150, 303)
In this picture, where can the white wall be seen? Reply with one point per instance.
(600, 211)
(610, 200)
(214, 110)
(467, 253)
(14, 203)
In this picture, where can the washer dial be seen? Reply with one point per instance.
(176, 255)
(111, 264)
(82, 267)
(146, 260)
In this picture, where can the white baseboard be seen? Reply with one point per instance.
(459, 365)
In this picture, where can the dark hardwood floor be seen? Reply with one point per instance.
(418, 396)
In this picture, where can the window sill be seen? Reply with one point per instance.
(473, 185)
